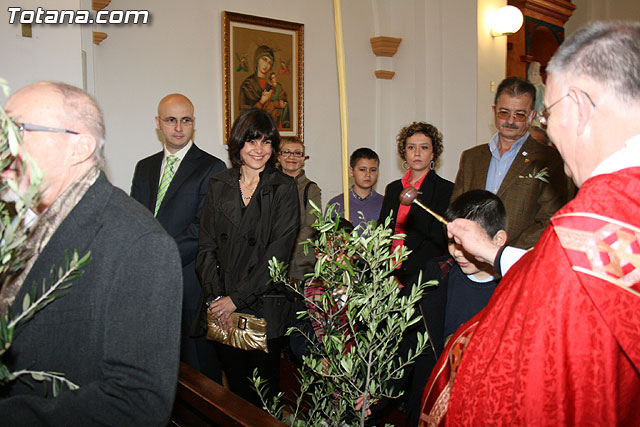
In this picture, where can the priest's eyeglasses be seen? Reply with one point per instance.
(172, 121)
(288, 153)
(28, 127)
(546, 111)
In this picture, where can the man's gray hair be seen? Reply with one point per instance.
(607, 52)
(80, 107)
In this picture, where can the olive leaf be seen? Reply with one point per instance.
(364, 320)
(14, 253)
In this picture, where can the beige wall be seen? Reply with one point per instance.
(492, 52)
(180, 51)
(53, 53)
(443, 70)
(430, 84)
(592, 10)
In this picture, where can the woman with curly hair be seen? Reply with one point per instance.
(419, 146)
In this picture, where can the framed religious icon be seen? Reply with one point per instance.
(263, 62)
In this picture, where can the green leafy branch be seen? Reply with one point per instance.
(13, 216)
(542, 175)
(58, 382)
(364, 318)
(31, 304)
(14, 231)
(73, 269)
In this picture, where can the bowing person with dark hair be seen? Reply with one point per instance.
(464, 287)
(250, 216)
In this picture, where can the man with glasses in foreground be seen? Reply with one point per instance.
(526, 175)
(558, 344)
(172, 184)
(116, 332)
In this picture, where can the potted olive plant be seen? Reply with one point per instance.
(362, 316)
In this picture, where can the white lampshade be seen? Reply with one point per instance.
(506, 21)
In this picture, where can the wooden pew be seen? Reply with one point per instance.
(201, 401)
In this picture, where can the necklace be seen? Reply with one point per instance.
(246, 198)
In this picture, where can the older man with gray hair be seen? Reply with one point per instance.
(558, 343)
(116, 332)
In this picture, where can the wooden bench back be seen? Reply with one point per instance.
(201, 401)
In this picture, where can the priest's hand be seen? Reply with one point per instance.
(474, 239)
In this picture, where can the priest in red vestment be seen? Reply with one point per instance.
(559, 342)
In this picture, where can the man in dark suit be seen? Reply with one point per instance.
(116, 333)
(173, 184)
(527, 175)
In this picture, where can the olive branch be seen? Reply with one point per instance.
(365, 317)
(14, 231)
(542, 175)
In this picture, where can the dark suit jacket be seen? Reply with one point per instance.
(529, 202)
(425, 235)
(116, 333)
(180, 210)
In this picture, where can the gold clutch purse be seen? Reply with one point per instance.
(248, 332)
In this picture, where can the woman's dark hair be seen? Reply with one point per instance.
(252, 124)
(427, 130)
(480, 206)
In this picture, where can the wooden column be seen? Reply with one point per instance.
(540, 35)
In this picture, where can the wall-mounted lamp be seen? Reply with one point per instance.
(506, 21)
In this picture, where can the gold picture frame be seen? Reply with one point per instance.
(249, 43)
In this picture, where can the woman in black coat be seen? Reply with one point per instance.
(419, 146)
(250, 215)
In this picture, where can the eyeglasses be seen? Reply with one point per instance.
(172, 121)
(546, 111)
(506, 115)
(28, 127)
(288, 153)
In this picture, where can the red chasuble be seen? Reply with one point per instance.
(559, 342)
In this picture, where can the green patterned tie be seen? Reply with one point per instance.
(167, 176)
